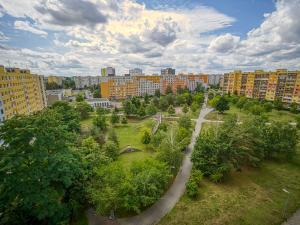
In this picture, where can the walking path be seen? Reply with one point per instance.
(294, 220)
(164, 205)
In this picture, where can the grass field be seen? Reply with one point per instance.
(130, 134)
(251, 197)
(275, 115)
(128, 158)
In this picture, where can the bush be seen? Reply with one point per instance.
(124, 120)
(146, 138)
(171, 110)
(192, 189)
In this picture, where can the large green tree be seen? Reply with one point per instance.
(38, 170)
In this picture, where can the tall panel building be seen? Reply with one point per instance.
(136, 72)
(167, 71)
(269, 85)
(121, 87)
(21, 92)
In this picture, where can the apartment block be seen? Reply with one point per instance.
(20, 92)
(121, 87)
(82, 82)
(269, 85)
(55, 79)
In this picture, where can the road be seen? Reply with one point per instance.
(164, 205)
(294, 220)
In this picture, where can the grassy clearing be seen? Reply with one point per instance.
(131, 134)
(275, 115)
(128, 158)
(251, 197)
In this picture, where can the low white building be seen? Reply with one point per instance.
(99, 102)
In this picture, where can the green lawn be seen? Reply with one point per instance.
(275, 115)
(131, 133)
(251, 197)
(128, 158)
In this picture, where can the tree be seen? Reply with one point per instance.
(198, 98)
(171, 110)
(106, 191)
(112, 136)
(200, 88)
(278, 104)
(149, 179)
(163, 104)
(188, 98)
(114, 118)
(68, 83)
(155, 102)
(257, 109)
(151, 109)
(241, 102)
(141, 111)
(183, 137)
(70, 117)
(157, 93)
(180, 100)
(222, 105)
(100, 122)
(111, 150)
(79, 98)
(212, 156)
(268, 106)
(185, 109)
(157, 138)
(185, 122)
(146, 98)
(298, 121)
(170, 153)
(213, 102)
(194, 106)
(83, 109)
(97, 93)
(124, 120)
(170, 99)
(294, 107)
(169, 90)
(146, 137)
(102, 111)
(280, 138)
(39, 170)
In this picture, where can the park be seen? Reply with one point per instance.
(178, 158)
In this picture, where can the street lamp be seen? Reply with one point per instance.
(286, 202)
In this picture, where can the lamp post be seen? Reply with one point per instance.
(286, 203)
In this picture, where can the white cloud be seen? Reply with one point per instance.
(124, 34)
(26, 26)
(224, 43)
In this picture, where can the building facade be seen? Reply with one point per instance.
(55, 79)
(214, 79)
(121, 87)
(168, 71)
(136, 72)
(82, 82)
(99, 102)
(269, 85)
(21, 92)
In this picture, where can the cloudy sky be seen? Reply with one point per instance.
(78, 37)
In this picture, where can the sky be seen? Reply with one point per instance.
(79, 37)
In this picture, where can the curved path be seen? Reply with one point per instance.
(164, 205)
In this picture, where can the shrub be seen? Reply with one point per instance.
(192, 189)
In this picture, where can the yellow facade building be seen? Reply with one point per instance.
(269, 85)
(21, 92)
(55, 79)
(122, 87)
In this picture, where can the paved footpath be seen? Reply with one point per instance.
(164, 205)
(294, 220)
